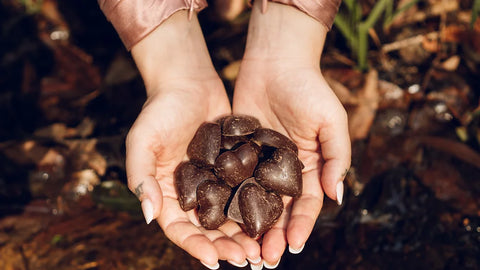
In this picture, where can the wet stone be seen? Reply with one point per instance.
(187, 177)
(212, 201)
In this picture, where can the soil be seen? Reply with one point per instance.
(69, 91)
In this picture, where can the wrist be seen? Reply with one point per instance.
(284, 33)
(175, 50)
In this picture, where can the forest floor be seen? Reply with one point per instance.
(70, 91)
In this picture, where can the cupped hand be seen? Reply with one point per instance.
(295, 100)
(183, 91)
(280, 83)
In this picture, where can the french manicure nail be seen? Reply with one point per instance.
(255, 261)
(147, 208)
(264, 6)
(256, 266)
(243, 264)
(339, 193)
(271, 266)
(214, 267)
(295, 251)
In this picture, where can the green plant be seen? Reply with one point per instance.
(475, 12)
(31, 6)
(354, 27)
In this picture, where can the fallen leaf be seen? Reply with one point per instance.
(362, 116)
(451, 64)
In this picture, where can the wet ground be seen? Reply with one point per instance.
(69, 93)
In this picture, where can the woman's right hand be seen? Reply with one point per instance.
(183, 91)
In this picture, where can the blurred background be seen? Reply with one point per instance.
(407, 71)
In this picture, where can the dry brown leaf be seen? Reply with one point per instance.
(451, 64)
(83, 155)
(56, 131)
(434, 10)
(25, 153)
(362, 116)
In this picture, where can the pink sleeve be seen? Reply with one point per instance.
(135, 19)
(323, 11)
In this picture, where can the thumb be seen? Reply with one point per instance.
(140, 165)
(336, 152)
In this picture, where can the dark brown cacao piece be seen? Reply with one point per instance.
(212, 199)
(260, 209)
(239, 125)
(236, 153)
(233, 212)
(235, 166)
(230, 142)
(205, 145)
(272, 138)
(187, 177)
(281, 173)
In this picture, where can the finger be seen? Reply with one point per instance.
(227, 248)
(178, 228)
(275, 240)
(336, 152)
(305, 211)
(250, 246)
(140, 166)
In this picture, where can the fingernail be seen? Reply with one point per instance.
(264, 6)
(339, 193)
(295, 251)
(243, 264)
(147, 209)
(258, 266)
(255, 261)
(214, 267)
(271, 266)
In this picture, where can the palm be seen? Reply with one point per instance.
(170, 120)
(296, 101)
(157, 143)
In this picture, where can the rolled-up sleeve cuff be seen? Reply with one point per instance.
(323, 11)
(135, 19)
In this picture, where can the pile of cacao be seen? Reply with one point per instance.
(238, 170)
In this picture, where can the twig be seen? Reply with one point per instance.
(397, 45)
(343, 59)
(454, 148)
